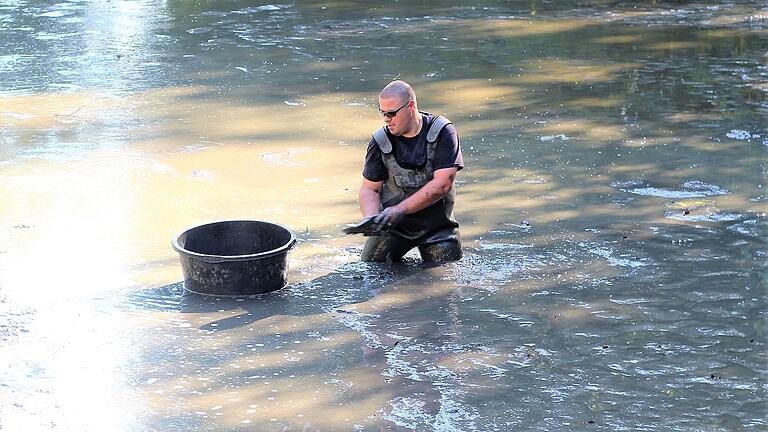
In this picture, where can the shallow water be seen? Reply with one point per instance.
(613, 213)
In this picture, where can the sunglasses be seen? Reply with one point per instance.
(390, 114)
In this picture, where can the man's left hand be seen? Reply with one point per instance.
(388, 217)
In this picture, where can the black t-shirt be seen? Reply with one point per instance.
(411, 153)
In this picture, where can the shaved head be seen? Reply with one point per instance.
(399, 90)
(397, 104)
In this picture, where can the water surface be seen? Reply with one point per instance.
(613, 212)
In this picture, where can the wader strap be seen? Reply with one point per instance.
(381, 138)
(434, 129)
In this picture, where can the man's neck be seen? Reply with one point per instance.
(416, 129)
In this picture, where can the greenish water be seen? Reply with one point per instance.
(613, 211)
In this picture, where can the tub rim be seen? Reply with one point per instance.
(231, 258)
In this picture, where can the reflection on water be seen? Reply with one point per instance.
(613, 211)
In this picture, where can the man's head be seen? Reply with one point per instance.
(397, 103)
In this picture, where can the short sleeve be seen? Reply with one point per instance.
(374, 168)
(448, 150)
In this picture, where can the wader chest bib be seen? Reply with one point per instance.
(403, 182)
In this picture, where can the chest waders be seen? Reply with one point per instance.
(404, 182)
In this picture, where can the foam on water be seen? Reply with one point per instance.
(622, 260)
(398, 363)
(360, 322)
(285, 158)
(262, 8)
(739, 134)
(494, 265)
(199, 30)
(519, 321)
(453, 413)
(689, 189)
(757, 228)
(702, 217)
(54, 14)
(408, 413)
(561, 137)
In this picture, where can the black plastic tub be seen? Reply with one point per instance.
(235, 257)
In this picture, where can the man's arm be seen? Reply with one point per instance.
(430, 193)
(368, 198)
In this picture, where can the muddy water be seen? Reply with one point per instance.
(613, 210)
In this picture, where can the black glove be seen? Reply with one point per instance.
(388, 217)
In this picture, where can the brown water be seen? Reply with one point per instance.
(613, 211)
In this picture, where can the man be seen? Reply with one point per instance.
(408, 181)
